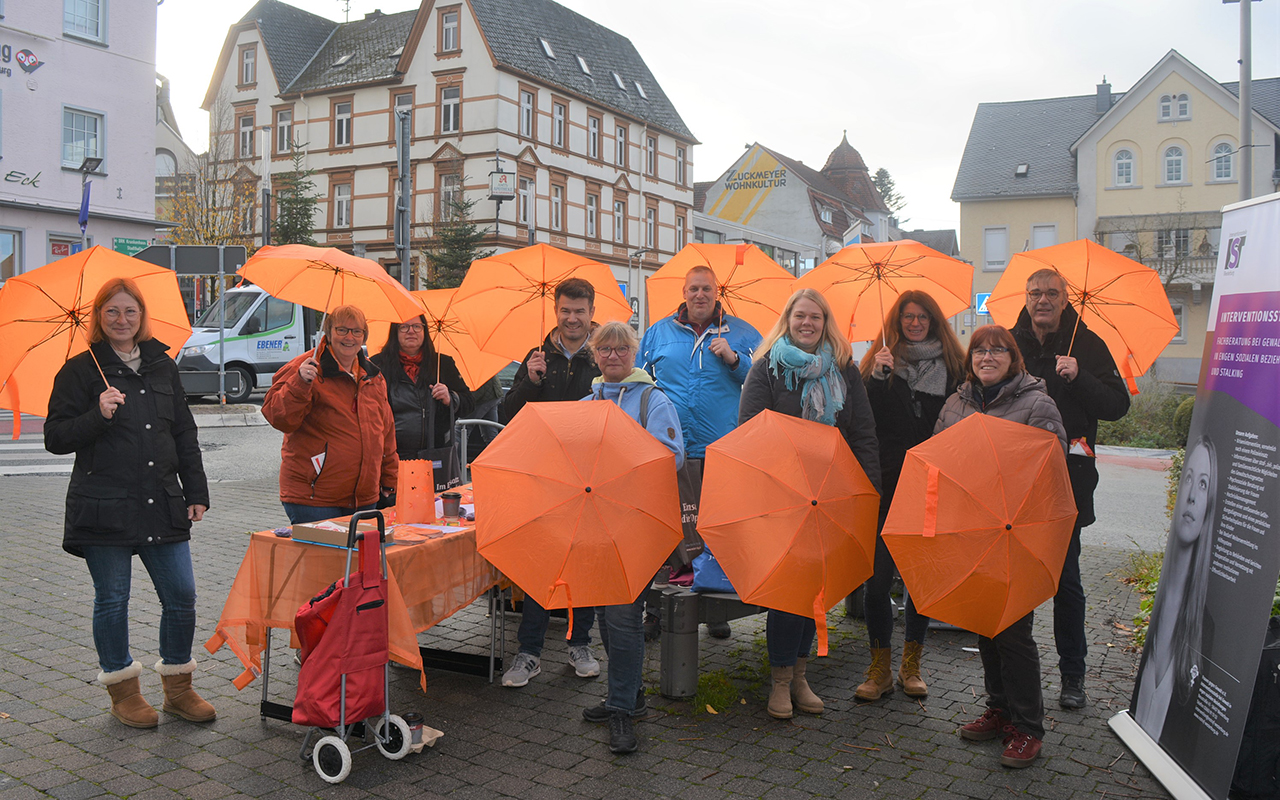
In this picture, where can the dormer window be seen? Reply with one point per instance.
(399, 51)
(617, 80)
(342, 60)
(825, 213)
(546, 48)
(640, 90)
(1021, 170)
(582, 65)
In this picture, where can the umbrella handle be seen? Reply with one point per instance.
(568, 597)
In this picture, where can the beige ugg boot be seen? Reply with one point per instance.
(127, 704)
(801, 695)
(879, 676)
(909, 672)
(179, 697)
(780, 697)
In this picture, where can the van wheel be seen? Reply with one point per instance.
(246, 385)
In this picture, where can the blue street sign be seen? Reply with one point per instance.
(980, 302)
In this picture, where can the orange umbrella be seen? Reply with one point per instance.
(749, 284)
(863, 281)
(980, 522)
(580, 504)
(44, 319)
(790, 515)
(324, 278)
(507, 301)
(1121, 300)
(449, 337)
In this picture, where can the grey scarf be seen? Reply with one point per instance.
(922, 368)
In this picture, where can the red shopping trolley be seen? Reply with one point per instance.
(343, 682)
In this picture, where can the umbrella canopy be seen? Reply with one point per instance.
(507, 301)
(790, 515)
(1121, 300)
(325, 278)
(980, 522)
(580, 504)
(448, 336)
(749, 284)
(862, 281)
(44, 319)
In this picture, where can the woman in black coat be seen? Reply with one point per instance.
(137, 485)
(804, 368)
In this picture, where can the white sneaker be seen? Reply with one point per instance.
(584, 663)
(524, 667)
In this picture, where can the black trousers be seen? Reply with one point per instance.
(1011, 673)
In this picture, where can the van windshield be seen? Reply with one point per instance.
(237, 304)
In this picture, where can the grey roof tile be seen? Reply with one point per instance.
(290, 35)
(368, 42)
(1266, 97)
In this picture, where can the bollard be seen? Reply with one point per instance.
(679, 674)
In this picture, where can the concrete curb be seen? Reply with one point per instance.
(229, 420)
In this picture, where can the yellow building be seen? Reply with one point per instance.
(1145, 172)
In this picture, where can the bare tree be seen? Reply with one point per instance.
(1175, 244)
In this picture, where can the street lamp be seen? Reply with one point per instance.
(638, 256)
(90, 164)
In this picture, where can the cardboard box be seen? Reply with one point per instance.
(333, 534)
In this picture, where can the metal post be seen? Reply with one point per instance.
(222, 329)
(401, 227)
(1246, 100)
(266, 217)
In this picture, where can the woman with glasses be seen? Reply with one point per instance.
(614, 346)
(997, 383)
(918, 365)
(137, 486)
(425, 389)
(339, 451)
(804, 368)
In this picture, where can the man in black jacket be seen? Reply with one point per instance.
(561, 369)
(1082, 379)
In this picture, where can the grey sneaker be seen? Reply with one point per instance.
(584, 664)
(523, 667)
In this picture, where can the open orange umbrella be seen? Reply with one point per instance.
(449, 337)
(580, 505)
(324, 278)
(980, 522)
(1121, 300)
(749, 284)
(790, 515)
(507, 301)
(44, 319)
(862, 281)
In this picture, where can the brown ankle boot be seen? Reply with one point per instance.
(179, 697)
(780, 697)
(801, 695)
(879, 676)
(909, 673)
(127, 704)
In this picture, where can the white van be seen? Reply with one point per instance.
(263, 334)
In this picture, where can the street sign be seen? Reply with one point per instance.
(194, 259)
(980, 302)
(623, 286)
(129, 246)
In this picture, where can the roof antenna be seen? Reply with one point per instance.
(346, 10)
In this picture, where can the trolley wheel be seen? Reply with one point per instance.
(393, 740)
(332, 759)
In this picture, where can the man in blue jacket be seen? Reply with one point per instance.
(700, 357)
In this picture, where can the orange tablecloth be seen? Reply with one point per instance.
(428, 582)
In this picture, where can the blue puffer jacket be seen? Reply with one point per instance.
(661, 421)
(702, 387)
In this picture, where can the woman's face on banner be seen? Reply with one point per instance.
(1193, 495)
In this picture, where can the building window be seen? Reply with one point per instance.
(640, 90)
(650, 226)
(620, 221)
(450, 109)
(558, 114)
(582, 65)
(284, 130)
(81, 136)
(679, 232)
(680, 166)
(593, 137)
(1174, 243)
(557, 208)
(620, 145)
(449, 30)
(1178, 311)
(995, 248)
(524, 196)
(826, 213)
(650, 155)
(546, 48)
(246, 137)
(10, 254)
(617, 81)
(704, 236)
(1184, 106)
(1124, 168)
(166, 164)
(1166, 107)
(248, 66)
(1174, 165)
(450, 194)
(526, 114)
(342, 205)
(401, 102)
(1043, 236)
(593, 211)
(1175, 107)
(342, 124)
(85, 18)
(1223, 169)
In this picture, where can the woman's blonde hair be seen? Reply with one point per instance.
(831, 333)
(612, 334)
(109, 290)
(952, 350)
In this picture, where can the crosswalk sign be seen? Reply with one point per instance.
(980, 302)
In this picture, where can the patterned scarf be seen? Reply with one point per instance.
(822, 388)
(922, 368)
(411, 365)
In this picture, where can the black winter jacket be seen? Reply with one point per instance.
(904, 419)
(136, 473)
(566, 379)
(414, 408)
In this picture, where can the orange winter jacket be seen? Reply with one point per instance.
(339, 435)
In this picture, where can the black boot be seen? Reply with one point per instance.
(622, 735)
(1072, 692)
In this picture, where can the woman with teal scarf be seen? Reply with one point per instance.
(804, 368)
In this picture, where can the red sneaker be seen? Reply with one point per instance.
(988, 726)
(1020, 749)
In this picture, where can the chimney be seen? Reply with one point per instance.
(373, 15)
(1104, 96)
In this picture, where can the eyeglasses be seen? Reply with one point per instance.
(914, 317)
(622, 352)
(994, 352)
(412, 328)
(341, 331)
(115, 313)
(1035, 294)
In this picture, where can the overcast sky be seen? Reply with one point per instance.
(903, 78)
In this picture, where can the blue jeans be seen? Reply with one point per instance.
(532, 632)
(1069, 612)
(622, 633)
(789, 637)
(170, 568)
(300, 514)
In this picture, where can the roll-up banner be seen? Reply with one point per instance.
(1209, 620)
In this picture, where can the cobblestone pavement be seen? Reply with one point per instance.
(57, 739)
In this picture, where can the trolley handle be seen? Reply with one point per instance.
(353, 533)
